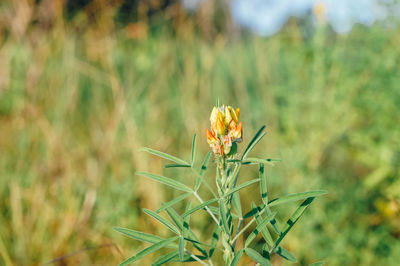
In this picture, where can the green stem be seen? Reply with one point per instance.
(229, 250)
(207, 209)
(247, 225)
(237, 231)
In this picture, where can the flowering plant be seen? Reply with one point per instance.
(224, 208)
(225, 130)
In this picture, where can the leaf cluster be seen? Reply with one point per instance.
(185, 244)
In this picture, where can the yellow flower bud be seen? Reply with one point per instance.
(220, 125)
(228, 117)
(233, 114)
(213, 117)
(237, 113)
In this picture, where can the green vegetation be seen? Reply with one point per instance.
(229, 227)
(76, 108)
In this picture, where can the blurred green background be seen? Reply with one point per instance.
(85, 84)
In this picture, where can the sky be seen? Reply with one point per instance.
(267, 17)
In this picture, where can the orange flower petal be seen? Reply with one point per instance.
(210, 137)
(239, 127)
(237, 133)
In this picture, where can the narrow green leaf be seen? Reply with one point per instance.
(260, 133)
(243, 185)
(165, 258)
(145, 237)
(166, 180)
(234, 161)
(200, 243)
(162, 220)
(264, 231)
(186, 227)
(205, 163)
(260, 208)
(237, 257)
(236, 203)
(263, 184)
(197, 244)
(253, 211)
(222, 212)
(188, 258)
(259, 227)
(149, 250)
(175, 165)
(293, 219)
(319, 263)
(198, 207)
(257, 257)
(214, 240)
(296, 197)
(264, 196)
(186, 219)
(178, 220)
(164, 155)
(194, 149)
(253, 160)
(274, 222)
(203, 169)
(181, 250)
(173, 202)
(286, 254)
(127, 261)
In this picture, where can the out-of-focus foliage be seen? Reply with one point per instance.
(79, 96)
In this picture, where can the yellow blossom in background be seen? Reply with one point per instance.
(319, 11)
(225, 129)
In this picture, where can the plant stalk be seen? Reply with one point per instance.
(229, 250)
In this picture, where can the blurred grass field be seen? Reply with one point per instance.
(77, 104)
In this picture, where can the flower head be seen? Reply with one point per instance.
(225, 129)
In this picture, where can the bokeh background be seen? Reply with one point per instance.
(84, 84)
